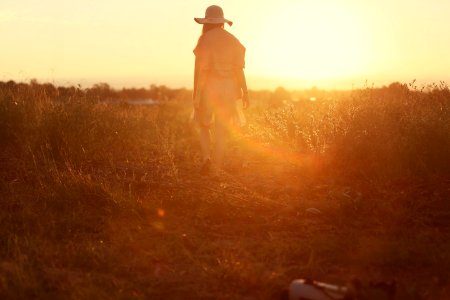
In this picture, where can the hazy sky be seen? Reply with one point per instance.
(293, 43)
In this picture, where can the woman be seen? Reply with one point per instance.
(219, 81)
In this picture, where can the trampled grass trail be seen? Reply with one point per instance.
(248, 233)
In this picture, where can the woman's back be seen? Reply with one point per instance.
(220, 52)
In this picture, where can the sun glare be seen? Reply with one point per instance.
(310, 40)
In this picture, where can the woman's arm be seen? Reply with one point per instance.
(243, 86)
(199, 82)
(195, 79)
(194, 96)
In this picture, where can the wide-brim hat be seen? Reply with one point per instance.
(213, 15)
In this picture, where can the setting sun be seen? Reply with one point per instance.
(312, 41)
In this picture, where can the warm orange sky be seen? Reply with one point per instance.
(293, 43)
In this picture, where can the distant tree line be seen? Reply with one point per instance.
(99, 91)
(275, 98)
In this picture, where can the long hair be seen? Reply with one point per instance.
(207, 27)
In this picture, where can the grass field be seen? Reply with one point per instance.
(104, 201)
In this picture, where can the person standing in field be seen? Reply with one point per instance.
(219, 82)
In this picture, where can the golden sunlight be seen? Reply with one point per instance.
(313, 41)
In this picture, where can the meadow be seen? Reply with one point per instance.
(103, 200)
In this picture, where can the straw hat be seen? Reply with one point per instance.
(213, 15)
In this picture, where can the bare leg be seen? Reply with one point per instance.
(221, 135)
(205, 143)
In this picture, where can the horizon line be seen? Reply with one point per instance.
(271, 83)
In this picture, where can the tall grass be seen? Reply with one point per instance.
(391, 133)
(103, 200)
